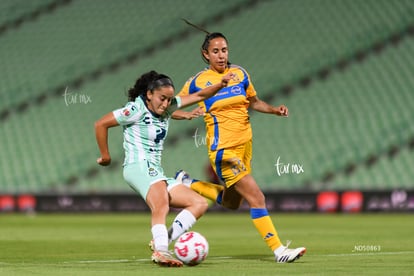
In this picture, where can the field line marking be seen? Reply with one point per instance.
(100, 261)
(229, 257)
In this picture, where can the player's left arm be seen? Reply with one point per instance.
(257, 104)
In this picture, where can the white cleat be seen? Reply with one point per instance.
(183, 177)
(290, 255)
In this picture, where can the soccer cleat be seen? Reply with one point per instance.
(290, 255)
(164, 258)
(184, 178)
(151, 245)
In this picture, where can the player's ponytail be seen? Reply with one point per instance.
(207, 39)
(148, 81)
(196, 26)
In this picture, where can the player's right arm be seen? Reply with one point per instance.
(187, 115)
(180, 114)
(192, 98)
(101, 134)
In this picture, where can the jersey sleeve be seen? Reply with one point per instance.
(186, 88)
(127, 115)
(175, 104)
(250, 90)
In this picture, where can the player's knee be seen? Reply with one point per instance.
(198, 206)
(160, 210)
(198, 202)
(202, 204)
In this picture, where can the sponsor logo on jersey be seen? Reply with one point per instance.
(152, 172)
(235, 90)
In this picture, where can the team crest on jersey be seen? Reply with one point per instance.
(152, 172)
(126, 112)
(208, 83)
(235, 78)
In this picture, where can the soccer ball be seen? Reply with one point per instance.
(191, 248)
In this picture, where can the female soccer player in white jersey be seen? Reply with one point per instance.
(145, 121)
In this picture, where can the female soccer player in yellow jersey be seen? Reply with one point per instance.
(229, 140)
(145, 120)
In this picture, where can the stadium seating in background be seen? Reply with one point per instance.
(342, 67)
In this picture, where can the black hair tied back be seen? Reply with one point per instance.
(148, 81)
(195, 26)
(207, 39)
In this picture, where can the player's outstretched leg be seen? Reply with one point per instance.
(208, 190)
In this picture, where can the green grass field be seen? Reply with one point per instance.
(116, 244)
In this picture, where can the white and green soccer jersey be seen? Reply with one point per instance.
(144, 131)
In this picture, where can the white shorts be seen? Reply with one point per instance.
(140, 176)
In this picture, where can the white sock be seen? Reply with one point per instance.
(160, 236)
(182, 222)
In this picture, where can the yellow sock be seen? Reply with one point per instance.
(264, 225)
(206, 189)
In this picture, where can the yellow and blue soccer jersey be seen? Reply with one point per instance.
(226, 113)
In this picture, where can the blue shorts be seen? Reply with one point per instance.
(140, 176)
